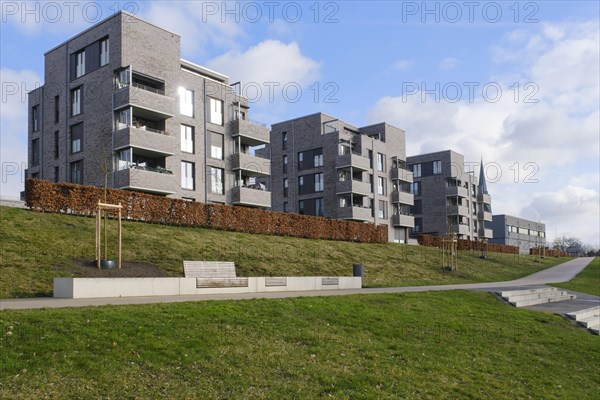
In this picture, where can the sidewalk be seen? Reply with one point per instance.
(559, 273)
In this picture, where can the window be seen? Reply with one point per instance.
(415, 188)
(285, 164)
(381, 183)
(285, 206)
(370, 155)
(104, 52)
(300, 160)
(76, 97)
(187, 175)
(56, 174)
(319, 207)
(382, 211)
(380, 162)
(216, 180)
(285, 187)
(318, 159)
(437, 167)
(35, 175)
(301, 207)
(35, 152)
(56, 109)
(216, 145)
(216, 111)
(186, 102)
(417, 170)
(301, 185)
(284, 139)
(124, 159)
(417, 208)
(77, 172)
(35, 118)
(418, 224)
(56, 144)
(344, 149)
(122, 78)
(76, 138)
(123, 119)
(372, 183)
(187, 138)
(80, 64)
(343, 202)
(319, 182)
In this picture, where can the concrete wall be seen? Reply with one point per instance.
(78, 288)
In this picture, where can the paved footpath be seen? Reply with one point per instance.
(561, 273)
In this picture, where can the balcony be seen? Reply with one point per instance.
(354, 161)
(484, 215)
(245, 196)
(251, 133)
(487, 233)
(461, 229)
(152, 140)
(355, 213)
(403, 220)
(402, 174)
(457, 191)
(152, 101)
(457, 210)
(403, 198)
(484, 198)
(146, 180)
(252, 166)
(353, 186)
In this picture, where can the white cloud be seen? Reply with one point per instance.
(448, 63)
(13, 128)
(268, 61)
(402, 65)
(559, 133)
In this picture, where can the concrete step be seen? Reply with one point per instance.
(591, 322)
(536, 296)
(585, 313)
(595, 331)
(543, 300)
(509, 293)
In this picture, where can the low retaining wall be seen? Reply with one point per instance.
(85, 288)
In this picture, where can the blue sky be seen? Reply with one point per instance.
(516, 83)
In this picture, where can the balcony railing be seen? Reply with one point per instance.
(148, 88)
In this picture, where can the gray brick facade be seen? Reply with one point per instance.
(304, 149)
(133, 108)
(448, 198)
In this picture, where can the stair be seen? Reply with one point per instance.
(531, 297)
(588, 318)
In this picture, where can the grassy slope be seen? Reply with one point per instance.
(587, 281)
(417, 345)
(36, 247)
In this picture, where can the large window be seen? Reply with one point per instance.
(80, 64)
(104, 50)
(380, 162)
(417, 170)
(123, 119)
(437, 167)
(310, 158)
(35, 152)
(187, 175)
(415, 188)
(77, 138)
(186, 102)
(35, 118)
(216, 145)
(76, 101)
(187, 138)
(77, 172)
(319, 207)
(216, 180)
(318, 158)
(382, 211)
(381, 183)
(319, 182)
(216, 111)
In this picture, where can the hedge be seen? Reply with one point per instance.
(45, 196)
(547, 252)
(436, 241)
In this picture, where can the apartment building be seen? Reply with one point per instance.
(448, 198)
(515, 231)
(324, 166)
(118, 103)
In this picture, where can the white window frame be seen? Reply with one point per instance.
(381, 185)
(104, 52)
(217, 152)
(416, 170)
(186, 102)
(319, 182)
(380, 162)
(437, 167)
(187, 138)
(76, 101)
(216, 180)
(216, 111)
(187, 175)
(80, 64)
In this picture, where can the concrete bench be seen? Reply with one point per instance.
(213, 274)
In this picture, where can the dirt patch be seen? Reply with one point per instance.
(128, 270)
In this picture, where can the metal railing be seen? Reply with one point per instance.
(148, 88)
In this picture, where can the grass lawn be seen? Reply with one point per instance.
(587, 281)
(36, 247)
(439, 345)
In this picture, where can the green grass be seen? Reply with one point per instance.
(450, 345)
(36, 247)
(587, 281)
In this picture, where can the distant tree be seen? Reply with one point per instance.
(570, 245)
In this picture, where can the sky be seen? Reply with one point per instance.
(516, 84)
